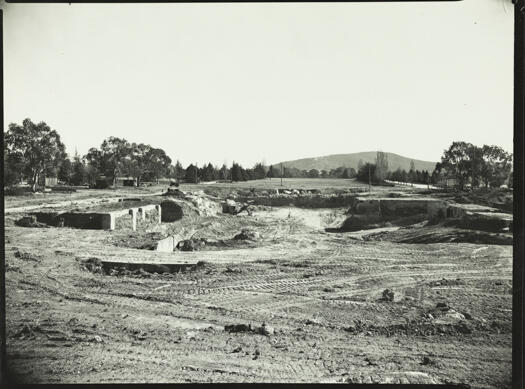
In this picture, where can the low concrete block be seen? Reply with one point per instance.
(108, 221)
(167, 244)
(159, 211)
(133, 213)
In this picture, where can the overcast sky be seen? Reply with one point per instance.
(273, 82)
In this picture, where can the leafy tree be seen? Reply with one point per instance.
(111, 159)
(191, 174)
(345, 174)
(79, 174)
(352, 172)
(496, 166)
(211, 172)
(425, 177)
(437, 174)
(91, 173)
(367, 172)
(313, 173)
(360, 164)
(270, 173)
(13, 167)
(224, 172)
(94, 162)
(65, 171)
(36, 147)
(456, 162)
(381, 166)
(247, 174)
(179, 171)
(259, 171)
(338, 172)
(236, 173)
(143, 160)
(489, 165)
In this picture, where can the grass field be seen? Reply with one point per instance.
(288, 183)
(275, 183)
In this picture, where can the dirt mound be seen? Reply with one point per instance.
(174, 192)
(359, 222)
(171, 211)
(203, 205)
(501, 199)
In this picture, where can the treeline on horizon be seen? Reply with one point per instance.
(35, 150)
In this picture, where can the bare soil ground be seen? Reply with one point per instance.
(320, 295)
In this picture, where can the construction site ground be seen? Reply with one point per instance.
(321, 296)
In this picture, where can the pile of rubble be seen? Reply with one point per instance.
(233, 208)
(200, 202)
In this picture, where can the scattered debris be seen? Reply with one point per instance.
(30, 221)
(388, 295)
(93, 265)
(233, 328)
(426, 361)
(191, 244)
(264, 329)
(27, 256)
(233, 270)
(191, 335)
(26, 332)
(247, 234)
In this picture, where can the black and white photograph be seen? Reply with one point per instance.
(259, 192)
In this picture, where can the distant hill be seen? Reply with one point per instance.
(351, 160)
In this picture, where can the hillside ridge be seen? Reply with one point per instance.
(333, 161)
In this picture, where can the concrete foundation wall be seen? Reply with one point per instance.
(399, 207)
(96, 220)
(454, 211)
(83, 220)
(306, 201)
(367, 207)
(72, 219)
